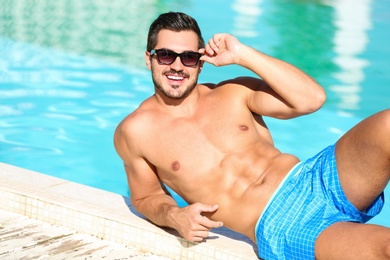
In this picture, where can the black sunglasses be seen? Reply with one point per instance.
(167, 57)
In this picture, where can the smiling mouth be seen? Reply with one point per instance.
(175, 77)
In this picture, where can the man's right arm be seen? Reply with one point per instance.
(147, 193)
(149, 197)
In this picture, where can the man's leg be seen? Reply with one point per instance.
(363, 163)
(363, 159)
(346, 240)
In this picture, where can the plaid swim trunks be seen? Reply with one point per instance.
(308, 200)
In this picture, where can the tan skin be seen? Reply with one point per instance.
(213, 148)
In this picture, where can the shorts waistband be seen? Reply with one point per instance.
(296, 169)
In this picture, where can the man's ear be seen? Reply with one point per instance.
(201, 66)
(147, 59)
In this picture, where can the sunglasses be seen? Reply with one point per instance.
(167, 57)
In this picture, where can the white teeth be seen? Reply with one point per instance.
(175, 77)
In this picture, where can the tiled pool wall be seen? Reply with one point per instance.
(108, 216)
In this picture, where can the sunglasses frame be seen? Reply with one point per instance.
(175, 54)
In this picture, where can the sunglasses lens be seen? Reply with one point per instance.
(190, 58)
(166, 56)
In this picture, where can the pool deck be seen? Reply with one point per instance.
(24, 238)
(50, 218)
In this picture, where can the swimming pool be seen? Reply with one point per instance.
(70, 71)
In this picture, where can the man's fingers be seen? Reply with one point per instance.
(197, 226)
(203, 229)
(209, 224)
(205, 221)
(199, 236)
(207, 208)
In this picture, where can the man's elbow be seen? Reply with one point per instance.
(312, 104)
(315, 102)
(318, 100)
(137, 204)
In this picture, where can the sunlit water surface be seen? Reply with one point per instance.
(71, 71)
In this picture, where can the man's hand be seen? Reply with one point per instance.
(221, 49)
(192, 225)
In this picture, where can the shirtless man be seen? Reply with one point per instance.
(209, 143)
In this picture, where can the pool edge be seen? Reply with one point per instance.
(108, 216)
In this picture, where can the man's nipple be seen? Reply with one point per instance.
(175, 166)
(243, 127)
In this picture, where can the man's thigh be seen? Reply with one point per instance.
(362, 157)
(347, 240)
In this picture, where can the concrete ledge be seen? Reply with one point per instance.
(108, 216)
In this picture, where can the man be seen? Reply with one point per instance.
(209, 143)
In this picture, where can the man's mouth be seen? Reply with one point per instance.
(175, 77)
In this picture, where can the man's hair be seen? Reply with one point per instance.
(174, 21)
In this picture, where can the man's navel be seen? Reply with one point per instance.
(175, 166)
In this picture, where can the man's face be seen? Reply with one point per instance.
(175, 80)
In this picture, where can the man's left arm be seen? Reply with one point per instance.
(288, 92)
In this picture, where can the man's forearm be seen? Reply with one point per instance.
(158, 209)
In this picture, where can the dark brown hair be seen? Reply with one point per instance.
(174, 21)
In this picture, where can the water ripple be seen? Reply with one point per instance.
(18, 93)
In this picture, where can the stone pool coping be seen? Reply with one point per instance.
(108, 216)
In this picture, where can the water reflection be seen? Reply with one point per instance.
(326, 39)
(353, 21)
(114, 30)
(247, 14)
(304, 35)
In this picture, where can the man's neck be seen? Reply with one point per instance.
(179, 106)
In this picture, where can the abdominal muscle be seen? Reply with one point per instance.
(241, 185)
(242, 212)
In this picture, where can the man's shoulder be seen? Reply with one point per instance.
(136, 122)
(139, 118)
(130, 132)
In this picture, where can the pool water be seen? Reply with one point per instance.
(71, 71)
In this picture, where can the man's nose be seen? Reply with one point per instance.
(177, 64)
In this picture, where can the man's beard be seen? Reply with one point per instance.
(170, 95)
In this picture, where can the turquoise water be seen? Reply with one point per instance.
(70, 71)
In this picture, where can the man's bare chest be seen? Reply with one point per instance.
(183, 145)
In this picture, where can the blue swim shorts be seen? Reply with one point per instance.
(308, 200)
